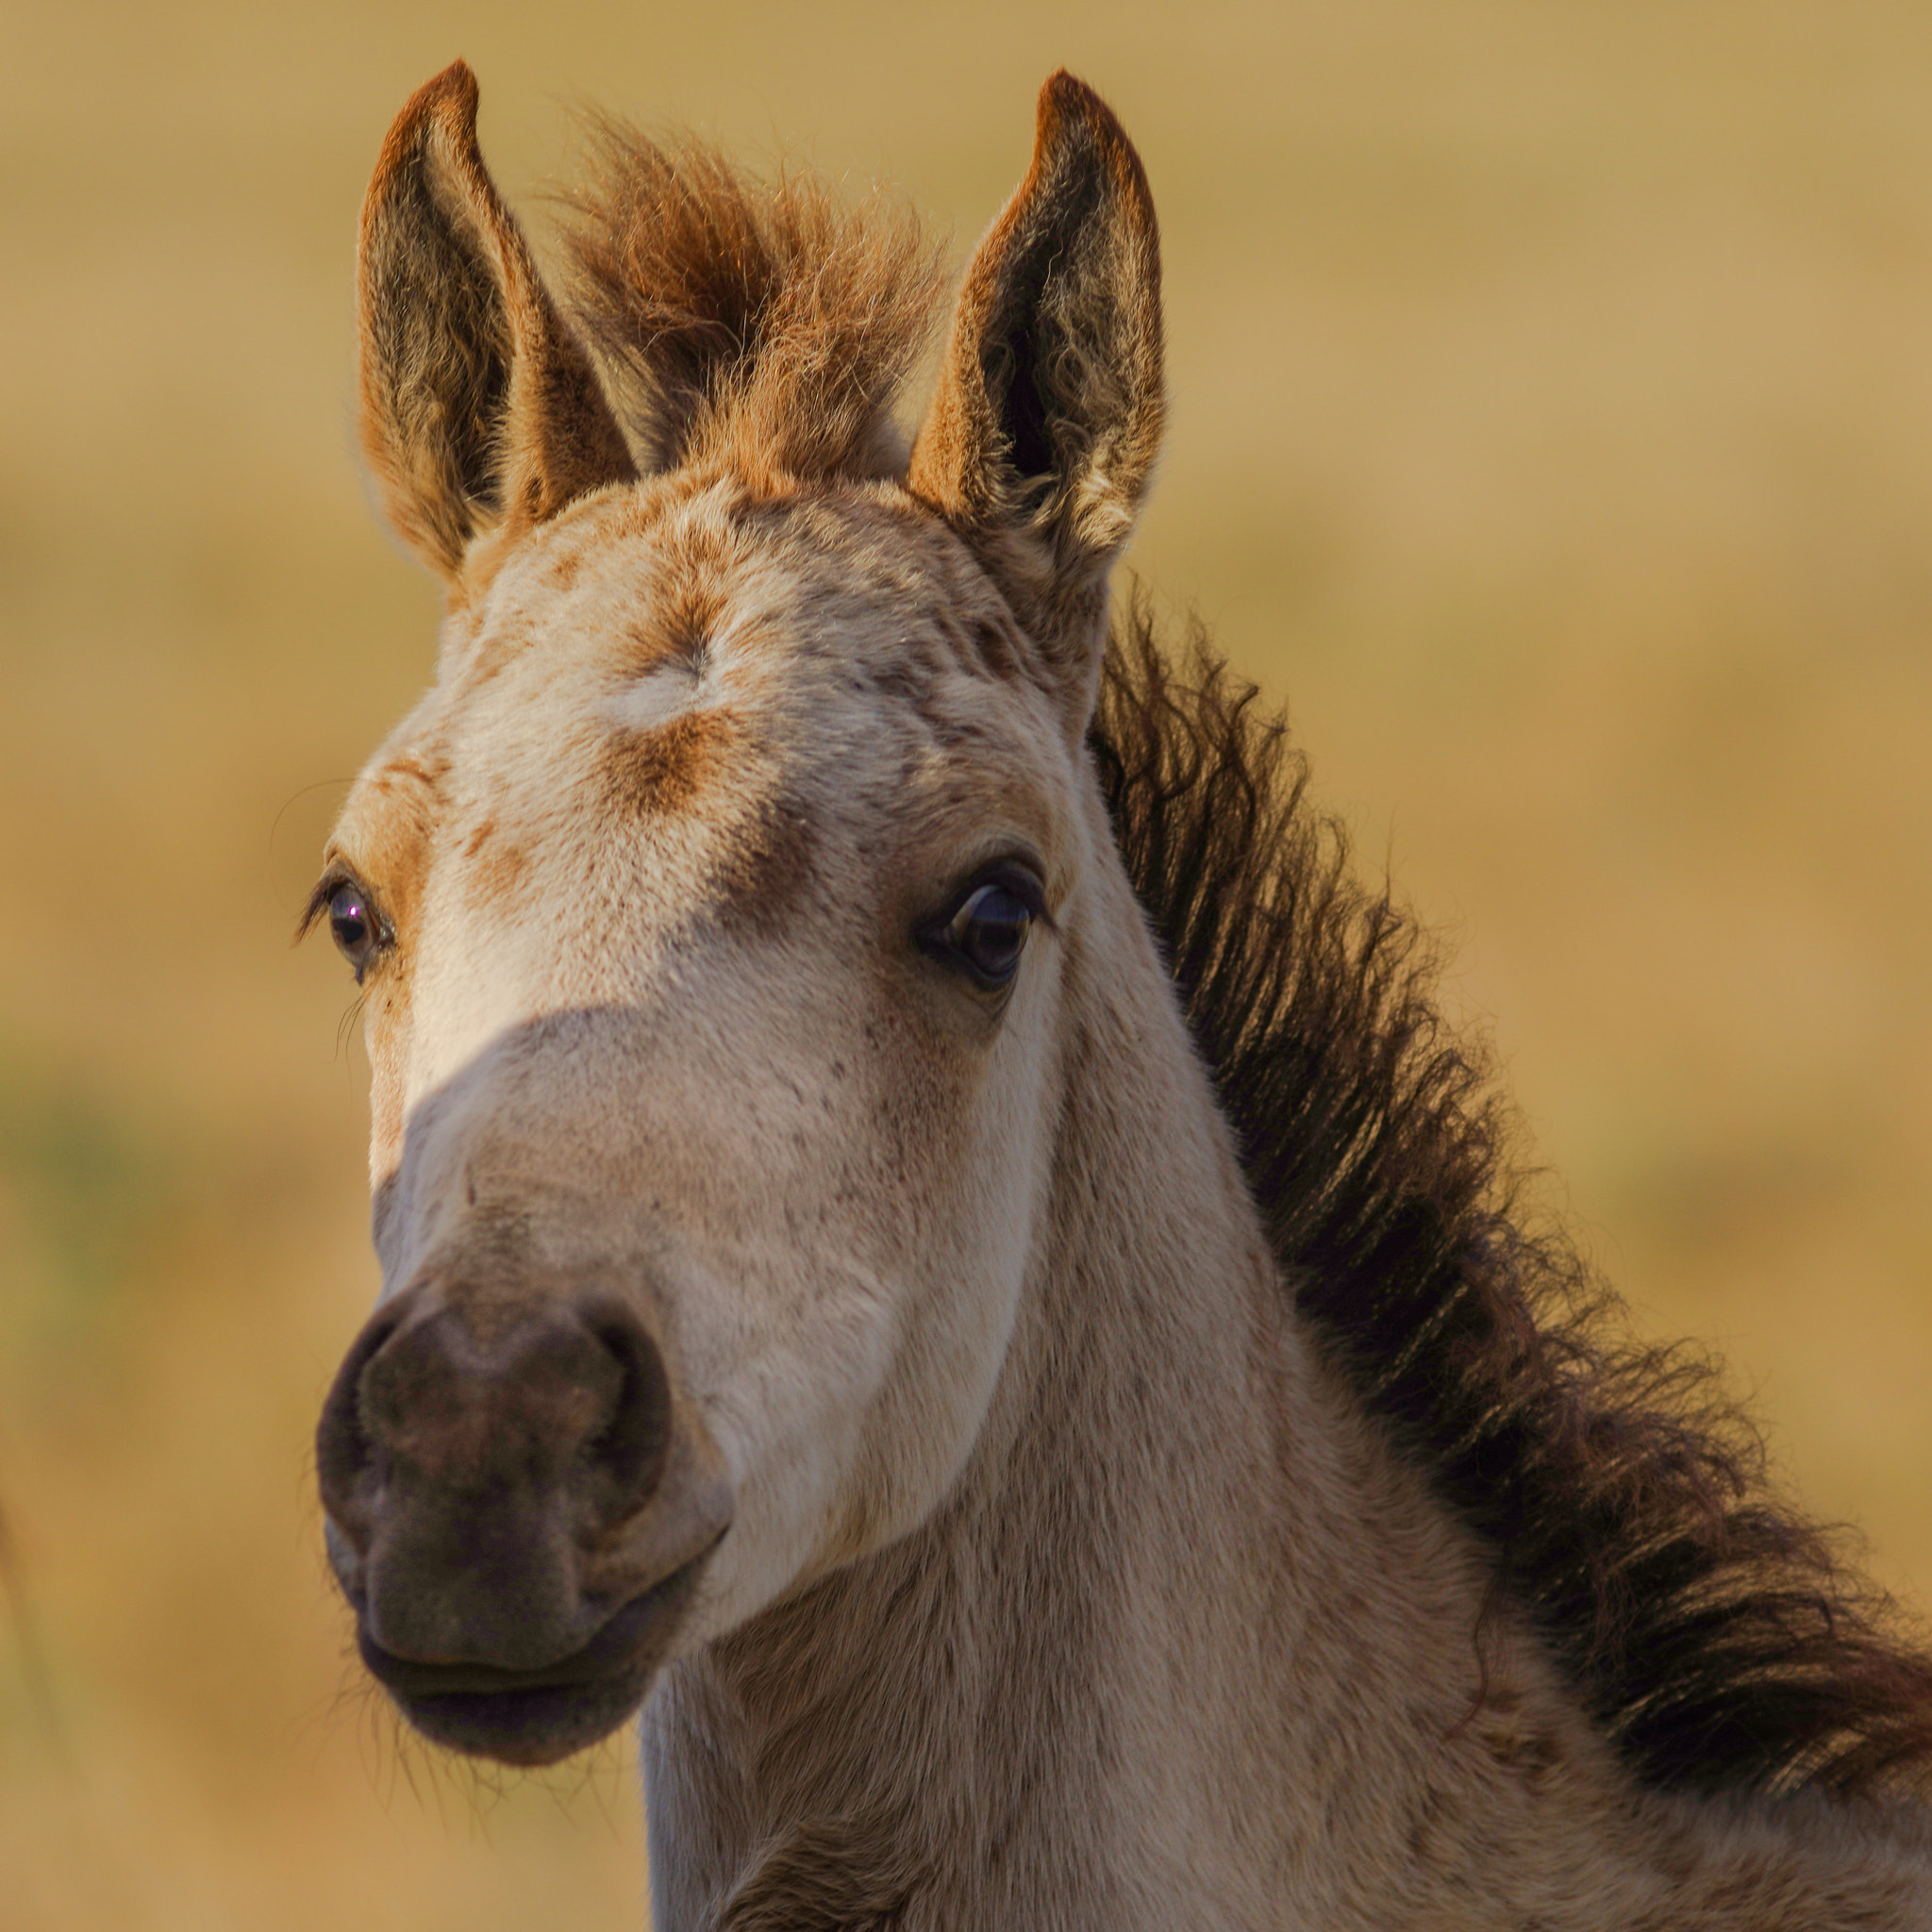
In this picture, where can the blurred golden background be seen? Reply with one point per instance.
(1552, 428)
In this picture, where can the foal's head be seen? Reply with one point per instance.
(712, 910)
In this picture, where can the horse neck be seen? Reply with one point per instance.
(1186, 1644)
(1087, 1635)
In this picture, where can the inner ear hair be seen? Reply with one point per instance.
(478, 404)
(1048, 412)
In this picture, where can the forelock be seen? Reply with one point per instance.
(756, 324)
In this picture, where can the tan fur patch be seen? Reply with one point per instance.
(666, 768)
(422, 772)
(770, 869)
(497, 864)
(678, 625)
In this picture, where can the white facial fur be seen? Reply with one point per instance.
(655, 851)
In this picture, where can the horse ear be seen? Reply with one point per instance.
(1043, 428)
(478, 405)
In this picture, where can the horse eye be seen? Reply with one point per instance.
(353, 927)
(986, 933)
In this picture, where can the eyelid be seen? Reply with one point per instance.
(1020, 876)
(1016, 873)
(1019, 872)
(335, 875)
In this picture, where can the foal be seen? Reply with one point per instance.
(931, 1237)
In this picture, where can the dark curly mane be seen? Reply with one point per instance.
(1713, 1632)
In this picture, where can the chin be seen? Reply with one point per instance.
(532, 1718)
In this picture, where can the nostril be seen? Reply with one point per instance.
(343, 1454)
(627, 1455)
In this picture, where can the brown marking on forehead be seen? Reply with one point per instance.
(678, 625)
(417, 775)
(496, 864)
(768, 871)
(762, 851)
(685, 590)
(492, 652)
(565, 563)
(572, 543)
(664, 768)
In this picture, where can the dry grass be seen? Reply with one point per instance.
(1553, 425)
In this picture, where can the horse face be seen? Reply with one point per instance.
(705, 915)
(712, 912)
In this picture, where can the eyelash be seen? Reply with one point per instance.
(328, 888)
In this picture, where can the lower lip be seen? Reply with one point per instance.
(538, 1717)
(527, 1728)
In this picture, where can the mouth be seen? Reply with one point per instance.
(531, 1718)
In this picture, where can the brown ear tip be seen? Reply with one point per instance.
(441, 113)
(459, 79)
(454, 92)
(448, 96)
(1064, 94)
(1066, 97)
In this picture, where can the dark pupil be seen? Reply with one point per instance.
(348, 921)
(989, 929)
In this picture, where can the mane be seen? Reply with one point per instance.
(1713, 1633)
(754, 322)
